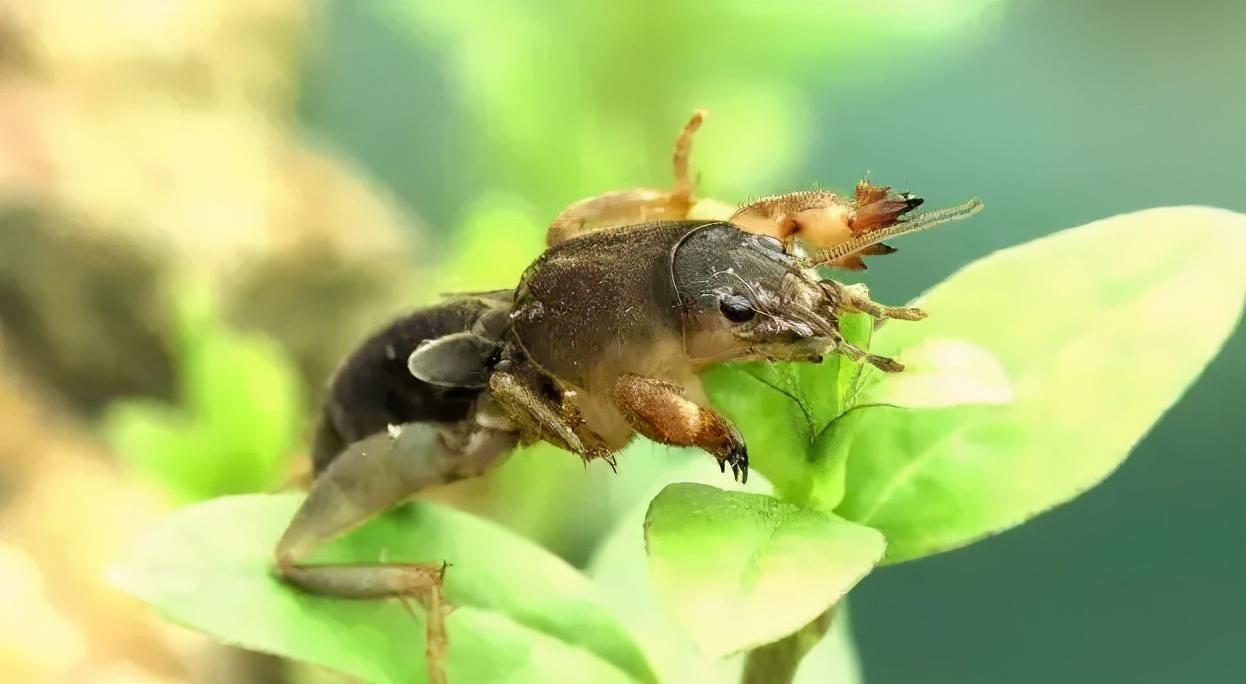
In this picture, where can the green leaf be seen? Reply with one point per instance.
(789, 412)
(619, 568)
(783, 408)
(938, 373)
(522, 615)
(1101, 328)
(740, 570)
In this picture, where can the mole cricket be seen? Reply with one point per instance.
(602, 339)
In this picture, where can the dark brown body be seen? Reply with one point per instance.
(373, 389)
(599, 306)
(601, 299)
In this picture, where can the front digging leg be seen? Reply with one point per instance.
(368, 477)
(659, 410)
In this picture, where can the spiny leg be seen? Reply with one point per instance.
(659, 410)
(635, 206)
(542, 418)
(619, 208)
(368, 477)
(856, 298)
(858, 355)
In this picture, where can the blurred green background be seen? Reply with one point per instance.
(206, 191)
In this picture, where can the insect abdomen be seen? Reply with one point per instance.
(373, 388)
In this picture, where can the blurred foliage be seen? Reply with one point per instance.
(80, 309)
(556, 113)
(64, 514)
(238, 420)
(158, 140)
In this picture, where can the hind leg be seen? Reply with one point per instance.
(368, 477)
(631, 207)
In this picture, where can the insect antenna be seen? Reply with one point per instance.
(918, 222)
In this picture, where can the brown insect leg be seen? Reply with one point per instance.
(659, 410)
(856, 298)
(619, 208)
(540, 418)
(858, 355)
(684, 185)
(365, 479)
(421, 581)
(631, 207)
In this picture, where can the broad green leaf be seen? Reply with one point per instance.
(789, 412)
(522, 614)
(938, 373)
(1101, 328)
(740, 570)
(619, 568)
(783, 408)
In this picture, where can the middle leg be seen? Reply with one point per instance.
(554, 420)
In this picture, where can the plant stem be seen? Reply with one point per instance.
(776, 663)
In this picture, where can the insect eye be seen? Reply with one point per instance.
(736, 309)
(771, 243)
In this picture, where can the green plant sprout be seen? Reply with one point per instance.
(1037, 371)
